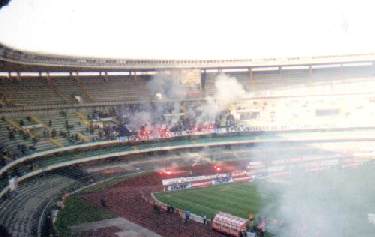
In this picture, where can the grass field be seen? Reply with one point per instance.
(236, 198)
(77, 211)
(343, 198)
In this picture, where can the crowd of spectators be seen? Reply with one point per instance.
(132, 122)
(162, 121)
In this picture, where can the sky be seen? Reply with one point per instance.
(190, 29)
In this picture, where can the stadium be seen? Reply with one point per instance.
(276, 146)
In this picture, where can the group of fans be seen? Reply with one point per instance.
(133, 122)
(150, 121)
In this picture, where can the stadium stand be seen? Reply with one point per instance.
(47, 112)
(20, 213)
(116, 88)
(29, 91)
(22, 133)
(57, 90)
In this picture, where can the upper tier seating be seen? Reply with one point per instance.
(57, 90)
(67, 88)
(29, 91)
(117, 88)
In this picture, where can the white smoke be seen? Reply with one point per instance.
(171, 87)
(227, 91)
(168, 89)
(138, 119)
(163, 87)
(168, 84)
(335, 202)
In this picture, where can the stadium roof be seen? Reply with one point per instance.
(16, 60)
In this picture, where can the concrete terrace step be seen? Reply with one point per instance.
(20, 213)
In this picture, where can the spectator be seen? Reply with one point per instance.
(103, 202)
(170, 209)
(11, 135)
(187, 216)
(45, 133)
(205, 220)
(35, 141)
(53, 133)
(2, 162)
(156, 209)
(25, 136)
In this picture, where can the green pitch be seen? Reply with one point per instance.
(238, 199)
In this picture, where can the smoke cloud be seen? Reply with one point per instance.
(168, 89)
(335, 202)
(169, 84)
(227, 91)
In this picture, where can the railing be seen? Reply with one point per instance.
(26, 108)
(231, 138)
(105, 144)
(43, 217)
(180, 136)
